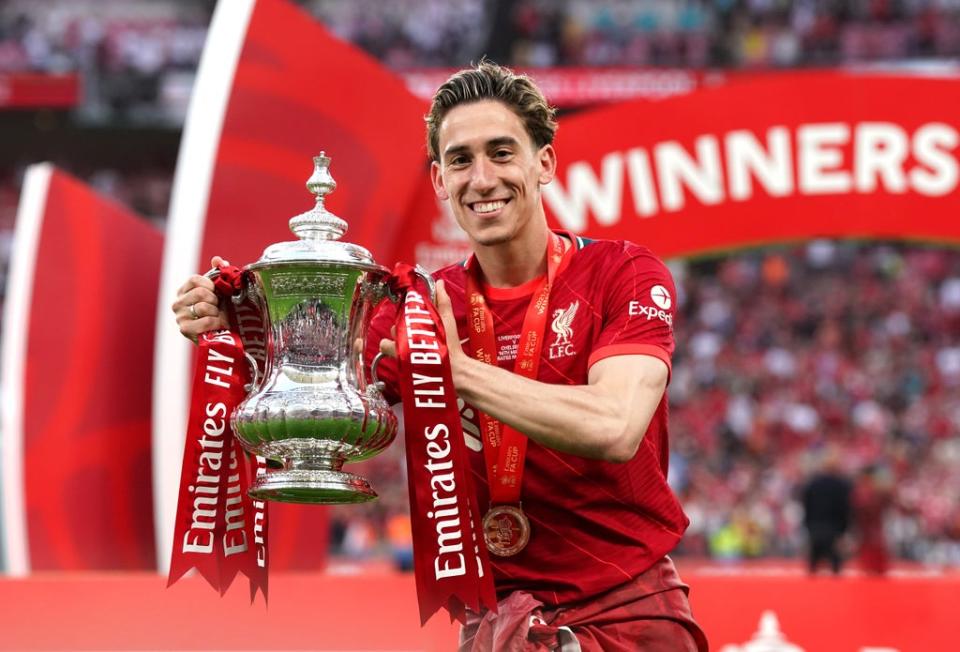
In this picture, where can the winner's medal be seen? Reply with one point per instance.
(506, 529)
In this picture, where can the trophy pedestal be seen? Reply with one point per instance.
(313, 486)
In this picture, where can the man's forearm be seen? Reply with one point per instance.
(593, 421)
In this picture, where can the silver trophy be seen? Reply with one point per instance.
(304, 307)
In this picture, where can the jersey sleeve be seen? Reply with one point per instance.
(639, 304)
(384, 316)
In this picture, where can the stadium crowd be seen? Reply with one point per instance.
(783, 355)
(146, 40)
(786, 355)
(111, 36)
(690, 33)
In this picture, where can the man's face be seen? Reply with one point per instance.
(490, 171)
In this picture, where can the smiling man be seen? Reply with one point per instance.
(565, 358)
(562, 366)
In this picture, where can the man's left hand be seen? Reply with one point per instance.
(445, 309)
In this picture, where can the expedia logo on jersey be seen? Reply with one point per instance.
(660, 297)
(561, 326)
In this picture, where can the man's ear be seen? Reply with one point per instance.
(548, 164)
(437, 178)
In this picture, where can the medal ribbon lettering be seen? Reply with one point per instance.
(219, 529)
(450, 564)
(504, 448)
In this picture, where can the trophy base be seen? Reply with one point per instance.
(312, 486)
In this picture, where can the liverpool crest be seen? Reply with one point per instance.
(561, 326)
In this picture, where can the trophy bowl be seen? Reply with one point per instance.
(313, 407)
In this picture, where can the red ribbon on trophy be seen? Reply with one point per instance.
(450, 561)
(219, 530)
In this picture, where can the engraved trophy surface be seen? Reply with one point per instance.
(314, 407)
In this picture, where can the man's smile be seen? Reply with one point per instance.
(488, 208)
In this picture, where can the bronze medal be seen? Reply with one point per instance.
(506, 530)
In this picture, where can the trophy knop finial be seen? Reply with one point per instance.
(321, 183)
(319, 223)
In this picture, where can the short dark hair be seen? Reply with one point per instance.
(489, 81)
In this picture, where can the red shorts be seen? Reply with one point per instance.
(650, 613)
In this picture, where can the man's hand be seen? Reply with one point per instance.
(197, 307)
(389, 346)
(445, 308)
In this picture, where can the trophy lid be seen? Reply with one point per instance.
(319, 231)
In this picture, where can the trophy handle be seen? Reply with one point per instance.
(379, 384)
(254, 372)
(428, 279)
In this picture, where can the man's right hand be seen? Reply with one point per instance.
(197, 307)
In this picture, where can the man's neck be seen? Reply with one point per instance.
(514, 263)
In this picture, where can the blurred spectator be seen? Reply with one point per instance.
(871, 498)
(826, 513)
(400, 537)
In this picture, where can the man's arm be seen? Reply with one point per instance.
(605, 419)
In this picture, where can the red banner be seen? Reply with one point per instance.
(577, 87)
(39, 91)
(78, 356)
(780, 158)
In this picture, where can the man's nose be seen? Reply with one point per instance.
(484, 176)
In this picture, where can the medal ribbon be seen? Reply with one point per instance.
(451, 567)
(505, 448)
(219, 529)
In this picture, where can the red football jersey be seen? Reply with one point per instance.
(594, 525)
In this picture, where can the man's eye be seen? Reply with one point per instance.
(459, 160)
(502, 153)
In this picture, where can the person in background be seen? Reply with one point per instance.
(826, 513)
(871, 498)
